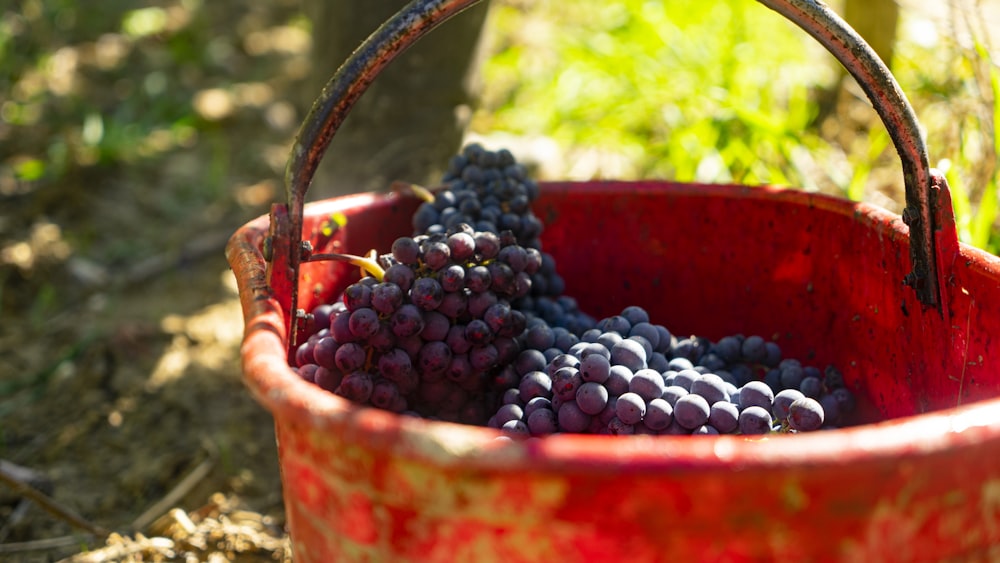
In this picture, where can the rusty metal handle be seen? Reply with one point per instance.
(421, 16)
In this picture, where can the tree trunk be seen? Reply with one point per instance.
(412, 118)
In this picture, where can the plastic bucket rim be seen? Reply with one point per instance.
(291, 399)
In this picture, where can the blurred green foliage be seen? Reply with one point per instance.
(729, 91)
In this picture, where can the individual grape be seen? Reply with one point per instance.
(805, 415)
(383, 340)
(509, 412)
(616, 323)
(754, 420)
(530, 360)
(364, 322)
(724, 417)
(454, 305)
(647, 383)
(562, 361)
(543, 421)
(571, 418)
(478, 303)
(673, 392)
(394, 364)
(434, 358)
(399, 275)
(516, 427)
(565, 382)
(630, 408)
(456, 340)
(452, 278)
(478, 279)
(791, 376)
(596, 368)
(460, 370)
(845, 400)
(618, 380)
(356, 386)
(426, 293)
(635, 314)
(350, 357)
(756, 394)
(658, 362)
(384, 394)
(630, 354)
(773, 379)
(340, 328)
(478, 333)
(386, 298)
(487, 244)
(436, 326)
(754, 350)
(462, 246)
(729, 349)
(324, 352)
(356, 296)
(591, 397)
(534, 404)
(659, 414)
(535, 384)
(831, 408)
(328, 379)
(680, 364)
(685, 378)
(498, 316)
(618, 427)
(507, 349)
(646, 346)
(407, 321)
(647, 331)
(811, 387)
(782, 400)
(484, 357)
(435, 255)
(540, 336)
(773, 354)
(691, 411)
(711, 387)
(506, 378)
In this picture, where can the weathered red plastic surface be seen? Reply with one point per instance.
(821, 276)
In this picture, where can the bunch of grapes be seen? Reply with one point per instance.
(466, 321)
(491, 192)
(628, 376)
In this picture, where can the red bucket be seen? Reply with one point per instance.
(822, 276)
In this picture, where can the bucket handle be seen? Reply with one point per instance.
(328, 112)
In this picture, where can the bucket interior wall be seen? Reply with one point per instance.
(820, 276)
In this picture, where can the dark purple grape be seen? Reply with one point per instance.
(516, 428)
(754, 350)
(487, 244)
(673, 392)
(503, 278)
(364, 322)
(435, 255)
(685, 378)
(647, 384)
(436, 326)
(635, 314)
(659, 414)
(328, 379)
(831, 408)
(791, 376)
(356, 296)
(711, 387)
(395, 365)
(756, 394)
(596, 368)
(591, 397)
(434, 358)
(540, 337)
(782, 400)
(845, 400)
(515, 257)
(618, 380)
(509, 412)
(324, 352)
(754, 420)
(478, 303)
(542, 421)
(773, 356)
(350, 357)
(607, 339)
(630, 408)
(805, 415)
(535, 384)
(630, 354)
(459, 369)
(452, 278)
(571, 418)
(729, 349)
(811, 387)
(426, 293)
(680, 364)
(534, 404)
(462, 245)
(646, 346)
(405, 250)
(399, 275)
(691, 411)
(478, 333)
(340, 328)
(530, 360)
(478, 279)
(618, 427)
(384, 394)
(386, 298)
(483, 358)
(356, 386)
(407, 321)
(383, 340)
(497, 316)
(724, 417)
(565, 382)
(647, 331)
